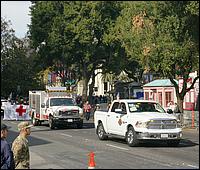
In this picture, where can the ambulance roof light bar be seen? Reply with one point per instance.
(56, 89)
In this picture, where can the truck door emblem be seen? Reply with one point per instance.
(120, 121)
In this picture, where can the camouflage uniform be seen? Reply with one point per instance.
(20, 149)
(21, 153)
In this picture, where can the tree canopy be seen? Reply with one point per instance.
(83, 36)
(74, 34)
(18, 73)
(162, 37)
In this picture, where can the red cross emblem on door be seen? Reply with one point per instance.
(20, 110)
(120, 121)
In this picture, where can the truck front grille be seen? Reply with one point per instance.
(69, 113)
(162, 124)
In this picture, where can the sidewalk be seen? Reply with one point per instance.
(191, 130)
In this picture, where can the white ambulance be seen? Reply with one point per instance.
(56, 106)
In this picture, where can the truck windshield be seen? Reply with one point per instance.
(62, 102)
(145, 107)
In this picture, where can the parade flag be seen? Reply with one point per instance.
(16, 112)
(118, 96)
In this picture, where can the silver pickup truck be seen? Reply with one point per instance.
(137, 120)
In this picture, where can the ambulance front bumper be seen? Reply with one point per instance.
(70, 120)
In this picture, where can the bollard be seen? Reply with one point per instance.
(91, 163)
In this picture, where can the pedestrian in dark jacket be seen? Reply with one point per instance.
(7, 160)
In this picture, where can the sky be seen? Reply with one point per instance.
(18, 13)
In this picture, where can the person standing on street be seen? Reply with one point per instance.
(87, 110)
(176, 108)
(179, 114)
(20, 147)
(7, 160)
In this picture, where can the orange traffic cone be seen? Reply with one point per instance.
(91, 163)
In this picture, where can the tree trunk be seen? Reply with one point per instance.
(180, 106)
(86, 78)
(180, 97)
(63, 77)
(180, 103)
(85, 89)
(91, 88)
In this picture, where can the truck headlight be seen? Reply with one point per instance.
(178, 124)
(56, 113)
(140, 124)
(80, 112)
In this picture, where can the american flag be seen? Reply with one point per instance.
(61, 73)
(118, 96)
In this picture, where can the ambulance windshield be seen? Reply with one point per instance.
(62, 102)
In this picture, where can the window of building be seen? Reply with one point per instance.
(168, 97)
(105, 86)
(151, 96)
(146, 95)
(160, 97)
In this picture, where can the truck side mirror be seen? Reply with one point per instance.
(97, 107)
(118, 110)
(169, 111)
(43, 105)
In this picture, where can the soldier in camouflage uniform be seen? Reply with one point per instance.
(20, 147)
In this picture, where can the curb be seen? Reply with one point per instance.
(191, 130)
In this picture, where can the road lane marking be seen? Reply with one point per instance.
(117, 147)
(13, 122)
(63, 134)
(193, 166)
(36, 128)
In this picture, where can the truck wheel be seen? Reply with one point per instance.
(39, 122)
(173, 142)
(131, 137)
(51, 123)
(101, 132)
(34, 121)
(80, 125)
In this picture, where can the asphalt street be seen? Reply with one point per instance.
(68, 148)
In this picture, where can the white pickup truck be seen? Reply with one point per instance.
(137, 120)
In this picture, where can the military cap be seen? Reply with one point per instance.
(3, 127)
(23, 125)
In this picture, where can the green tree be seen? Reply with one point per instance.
(73, 32)
(129, 51)
(163, 37)
(17, 65)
